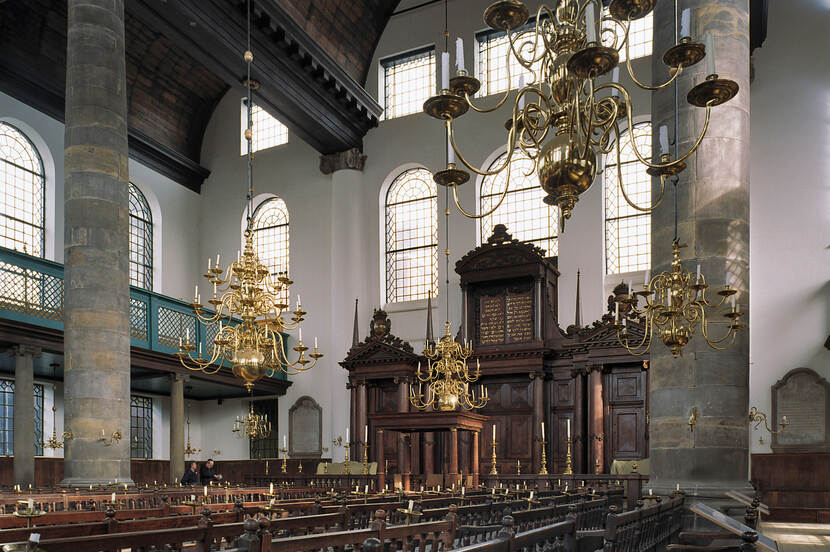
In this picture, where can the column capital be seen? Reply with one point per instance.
(24, 350)
(180, 377)
(349, 159)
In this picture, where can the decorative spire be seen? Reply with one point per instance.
(355, 331)
(578, 313)
(430, 335)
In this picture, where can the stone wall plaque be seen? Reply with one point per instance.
(804, 398)
(305, 430)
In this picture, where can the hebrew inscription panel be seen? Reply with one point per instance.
(802, 398)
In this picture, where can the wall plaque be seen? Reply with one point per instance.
(803, 397)
(305, 430)
(491, 319)
(519, 317)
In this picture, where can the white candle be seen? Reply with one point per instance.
(195, 291)
(459, 54)
(365, 434)
(521, 97)
(214, 289)
(697, 275)
(347, 435)
(677, 487)
(531, 495)
(366, 489)
(205, 490)
(271, 488)
(615, 78)
(31, 504)
(445, 70)
(630, 287)
(299, 301)
(112, 498)
(125, 488)
(664, 139)
(439, 488)
(685, 19)
(733, 303)
(590, 24)
(543, 431)
(494, 433)
(209, 261)
(301, 335)
(271, 502)
(650, 492)
(728, 278)
(647, 279)
(710, 54)
(410, 506)
(568, 420)
(192, 498)
(462, 490)
(283, 442)
(494, 491)
(187, 338)
(217, 260)
(315, 342)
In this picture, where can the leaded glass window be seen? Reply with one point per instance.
(627, 230)
(493, 64)
(408, 81)
(412, 237)
(640, 36)
(22, 191)
(523, 212)
(266, 130)
(271, 239)
(141, 427)
(7, 418)
(141, 240)
(269, 446)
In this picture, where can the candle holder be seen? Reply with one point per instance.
(530, 502)
(544, 470)
(300, 467)
(518, 467)
(409, 514)
(494, 470)
(284, 467)
(114, 438)
(272, 509)
(366, 458)
(29, 515)
(193, 505)
(569, 466)
(346, 466)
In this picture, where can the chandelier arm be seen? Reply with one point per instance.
(679, 159)
(590, 116)
(656, 203)
(730, 332)
(705, 301)
(678, 71)
(511, 147)
(491, 211)
(641, 348)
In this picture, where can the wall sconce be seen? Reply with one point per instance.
(114, 438)
(758, 416)
(338, 442)
(693, 418)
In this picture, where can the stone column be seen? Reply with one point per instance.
(453, 456)
(429, 452)
(362, 420)
(475, 456)
(538, 418)
(24, 415)
(381, 456)
(713, 200)
(177, 426)
(96, 248)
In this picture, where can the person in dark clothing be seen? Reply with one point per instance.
(191, 476)
(208, 473)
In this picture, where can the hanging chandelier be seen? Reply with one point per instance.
(252, 425)
(562, 119)
(249, 304)
(675, 306)
(55, 443)
(447, 377)
(189, 450)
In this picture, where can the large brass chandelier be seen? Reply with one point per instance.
(252, 425)
(675, 306)
(563, 119)
(250, 304)
(447, 377)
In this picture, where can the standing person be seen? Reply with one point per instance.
(208, 473)
(191, 476)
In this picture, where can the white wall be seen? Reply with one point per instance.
(789, 202)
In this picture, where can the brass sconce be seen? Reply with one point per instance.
(693, 418)
(759, 416)
(114, 438)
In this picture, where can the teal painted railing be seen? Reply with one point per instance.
(31, 291)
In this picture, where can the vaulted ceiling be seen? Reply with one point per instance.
(312, 59)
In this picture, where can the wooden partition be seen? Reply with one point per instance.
(796, 486)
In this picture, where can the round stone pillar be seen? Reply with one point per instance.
(713, 219)
(24, 415)
(96, 248)
(177, 427)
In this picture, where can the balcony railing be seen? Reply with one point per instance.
(31, 291)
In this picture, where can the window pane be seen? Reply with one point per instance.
(22, 188)
(269, 446)
(267, 131)
(141, 427)
(493, 51)
(271, 237)
(141, 240)
(627, 230)
(639, 36)
(7, 418)
(412, 237)
(523, 212)
(408, 81)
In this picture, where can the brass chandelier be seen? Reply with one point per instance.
(249, 304)
(190, 450)
(675, 306)
(252, 425)
(563, 119)
(53, 442)
(447, 377)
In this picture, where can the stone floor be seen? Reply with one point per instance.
(798, 537)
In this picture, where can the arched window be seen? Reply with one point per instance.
(141, 240)
(412, 237)
(523, 212)
(22, 192)
(270, 223)
(627, 230)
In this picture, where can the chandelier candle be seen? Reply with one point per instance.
(459, 54)
(685, 18)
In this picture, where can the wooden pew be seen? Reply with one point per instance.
(645, 528)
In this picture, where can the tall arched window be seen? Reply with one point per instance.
(22, 192)
(627, 230)
(270, 223)
(412, 237)
(141, 240)
(523, 212)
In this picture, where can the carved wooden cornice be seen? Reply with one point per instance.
(350, 159)
(511, 252)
